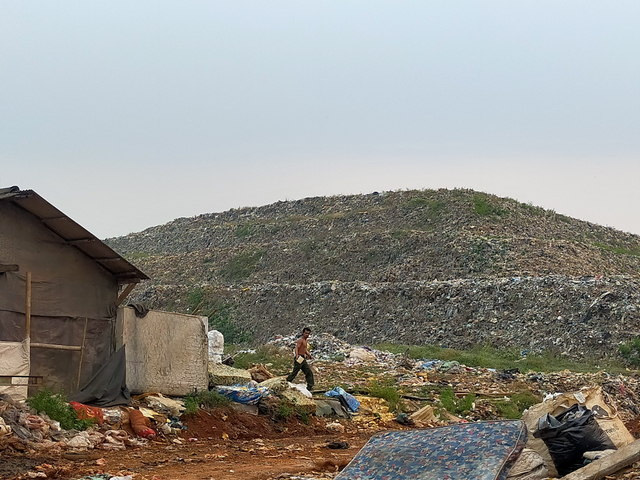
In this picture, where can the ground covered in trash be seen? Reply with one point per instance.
(220, 443)
(231, 443)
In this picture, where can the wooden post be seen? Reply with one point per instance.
(27, 309)
(84, 336)
(125, 293)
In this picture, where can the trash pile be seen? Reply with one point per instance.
(115, 428)
(324, 346)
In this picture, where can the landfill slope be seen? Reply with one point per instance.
(447, 267)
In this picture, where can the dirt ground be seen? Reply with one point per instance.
(219, 444)
(227, 444)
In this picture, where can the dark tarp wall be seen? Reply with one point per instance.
(67, 288)
(65, 282)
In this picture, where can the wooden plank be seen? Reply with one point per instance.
(27, 310)
(599, 469)
(30, 379)
(56, 347)
(84, 336)
(125, 293)
(9, 268)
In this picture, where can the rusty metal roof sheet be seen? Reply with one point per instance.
(72, 233)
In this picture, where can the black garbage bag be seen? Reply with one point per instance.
(569, 435)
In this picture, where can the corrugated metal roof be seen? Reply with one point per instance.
(72, 233)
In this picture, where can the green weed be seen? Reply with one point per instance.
(512, 409)
(630, 351)
(245, 231)
(619, 250)
(399, 234)
(56, 407)
(456, 405)
(505, 358)
(242, 265)
(204, 399)
(284, 411)
(387, 391)
(281, 360)
(483, 207)
(221, 318)
(417, 202)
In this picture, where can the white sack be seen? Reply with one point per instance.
(14, 360)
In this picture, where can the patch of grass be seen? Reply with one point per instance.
(204, 399)
(619, 250)
(245, 230)
(284, 411)
(328, 217)
(308, 248)
(417, 202)
(304, 418)
(399, 234)
(505, 358)
(281, 360)
(455, 405)
(512, 409)
(242, 265)
(630, 351)
(387, 391)
(483, 207)
(220, 312)
(56, 407)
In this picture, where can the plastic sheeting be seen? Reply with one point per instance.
(68, 290)
(61, 369)
(65, 282)
(108, 387)
(482, 451)
(14, 360)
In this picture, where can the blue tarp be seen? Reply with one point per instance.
(248, 394)
(350, 400)
(465, 451)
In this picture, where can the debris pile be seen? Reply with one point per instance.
(23, 428)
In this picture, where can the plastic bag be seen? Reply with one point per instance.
(569, 435)
(343, 396)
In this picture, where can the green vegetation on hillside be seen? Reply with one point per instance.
(505, 358)
(242, 265)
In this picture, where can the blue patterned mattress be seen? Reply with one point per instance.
(465, 451)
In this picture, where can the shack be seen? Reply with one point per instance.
(60, 288)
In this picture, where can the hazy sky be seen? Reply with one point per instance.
(126, 115)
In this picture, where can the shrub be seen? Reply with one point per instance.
(221, 318)
(630, 351)
(56, 407)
